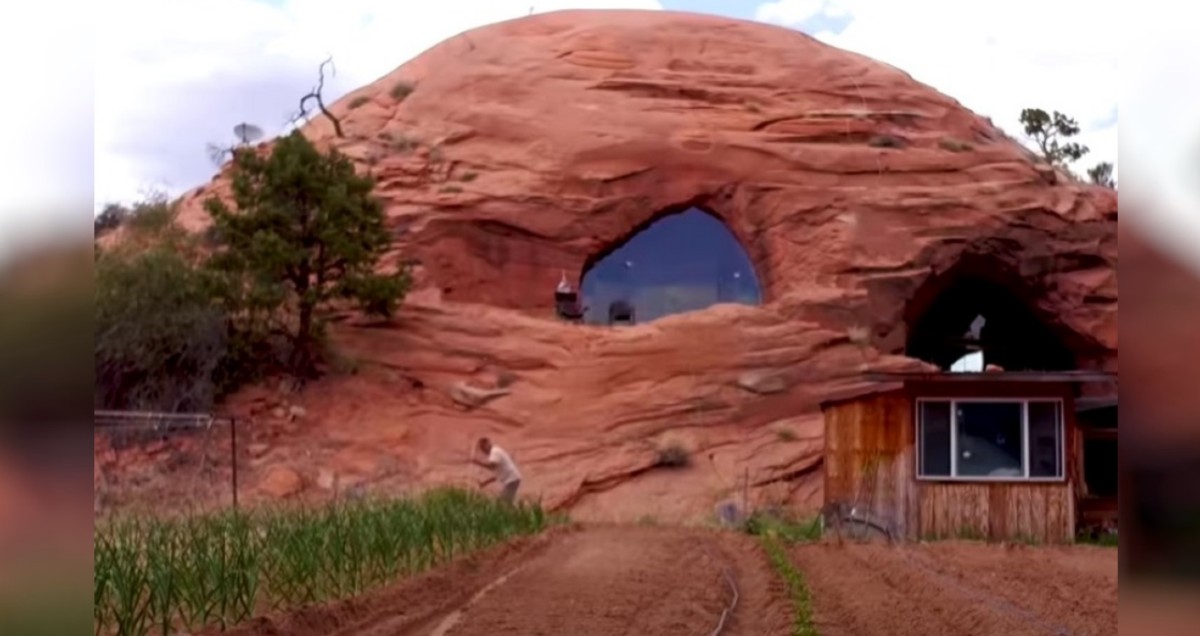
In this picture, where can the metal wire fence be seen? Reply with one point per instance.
(164, 462)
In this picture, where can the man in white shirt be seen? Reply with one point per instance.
(502, 467)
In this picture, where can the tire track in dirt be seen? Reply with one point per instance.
(968, 590)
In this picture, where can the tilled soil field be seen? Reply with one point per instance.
(634, 580)
(965, 589)
(599, 581)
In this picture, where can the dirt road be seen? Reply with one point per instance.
(602, 581)
(632, 580)
(963, 589)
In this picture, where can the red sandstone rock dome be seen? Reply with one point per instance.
(875, 211)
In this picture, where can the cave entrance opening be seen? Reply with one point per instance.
(972, 316)
(678, 262)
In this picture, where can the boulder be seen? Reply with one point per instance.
(571, 131)
(281, 482)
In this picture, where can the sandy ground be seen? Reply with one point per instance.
(961, 588)
(632, 580)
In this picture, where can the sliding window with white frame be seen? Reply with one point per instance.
(990, 439)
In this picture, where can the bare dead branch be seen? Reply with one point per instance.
(315, 95)
(217, 153)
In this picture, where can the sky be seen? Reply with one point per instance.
(170, 77)
(174, 76)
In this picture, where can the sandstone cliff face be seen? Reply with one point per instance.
(511, 153)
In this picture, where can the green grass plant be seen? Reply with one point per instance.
(164, 576)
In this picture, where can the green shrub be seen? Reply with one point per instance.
(159, 335)
(152, 216)
(305, 231)
(768, 523)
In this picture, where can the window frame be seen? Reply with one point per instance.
(919, 425)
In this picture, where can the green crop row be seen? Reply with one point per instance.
(162, 576)
(802, 618)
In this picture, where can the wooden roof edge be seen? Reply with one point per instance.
(1078, 377)
(1093, 402)
(860, 392)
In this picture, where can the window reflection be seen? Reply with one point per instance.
(680, 263)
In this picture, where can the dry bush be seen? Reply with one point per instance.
(859, 335)
(954, 145)
(673, 454)
(401, 90)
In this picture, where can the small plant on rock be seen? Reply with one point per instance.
(673, 454)
(954, 145)
(401, 90)
(885, 141)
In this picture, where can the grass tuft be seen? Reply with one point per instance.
(361, 100)
(766, 523)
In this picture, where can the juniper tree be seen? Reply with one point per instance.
(1049, 132)
(305, 231)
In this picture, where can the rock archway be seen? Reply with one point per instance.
(679, 262)
(979, 307)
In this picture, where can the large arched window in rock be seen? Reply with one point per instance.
(678, 263)
(964, 322)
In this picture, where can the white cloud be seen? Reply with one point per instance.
(995, 58)
(173, 76)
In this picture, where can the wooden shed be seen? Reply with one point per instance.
(989, 455)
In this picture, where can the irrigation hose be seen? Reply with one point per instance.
(728, 611)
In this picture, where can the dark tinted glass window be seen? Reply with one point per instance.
(989, 439)
(935, 439)
(680, 263)
(1045, 439)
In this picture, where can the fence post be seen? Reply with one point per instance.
(233, 457)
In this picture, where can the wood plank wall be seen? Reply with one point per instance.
(879, 429)
(873, 429)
